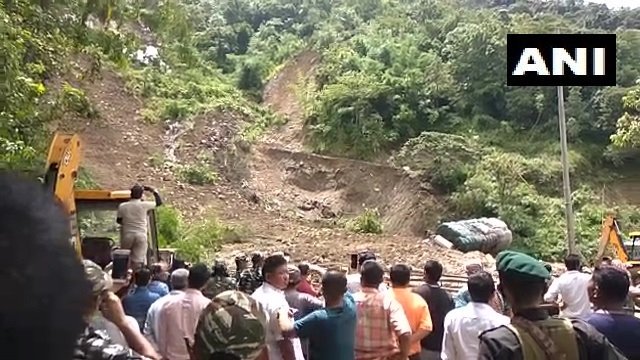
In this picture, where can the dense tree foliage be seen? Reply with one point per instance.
(421, 79)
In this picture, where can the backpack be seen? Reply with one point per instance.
(550, 339)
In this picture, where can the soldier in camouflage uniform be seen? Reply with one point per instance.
(251, 279)
(220, 280)
(234, 324)
(241, 264)
(97, 342)
(97, 345)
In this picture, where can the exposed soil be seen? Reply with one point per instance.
(285, 198)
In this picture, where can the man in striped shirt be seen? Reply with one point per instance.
(383, 330)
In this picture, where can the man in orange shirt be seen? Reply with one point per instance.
(414, 306)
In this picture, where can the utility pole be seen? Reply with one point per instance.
(566, 183)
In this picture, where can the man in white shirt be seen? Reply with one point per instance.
(271, 295)
(572, 288)
(354, 280)
(179, 281)
(463, 325)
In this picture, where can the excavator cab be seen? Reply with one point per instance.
(92, 213)
(98, 231)
(632, 246)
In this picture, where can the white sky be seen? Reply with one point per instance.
(617, 3)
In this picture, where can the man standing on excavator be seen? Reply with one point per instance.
(132, 217)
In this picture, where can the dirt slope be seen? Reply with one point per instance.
(320, 187)
(284, 199)
(282, 96)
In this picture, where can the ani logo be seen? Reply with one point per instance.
(561, 59)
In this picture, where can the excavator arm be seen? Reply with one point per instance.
(611, 235)
(61, 173)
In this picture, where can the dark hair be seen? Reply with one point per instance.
(372, 274)
(137, 191)
(365, 256)
(572, 262)
(142, 276)
(156, 269)
(334, 284)
(612, 282)
(481, 287)
(304, 269)
(43, 316)
(400, 275)
(198, 276)
(272, 263)
(433, 270)
(522, 287)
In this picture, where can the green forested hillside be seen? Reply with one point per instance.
(421, 81)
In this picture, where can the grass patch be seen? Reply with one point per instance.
(366, 223)
(198, 174)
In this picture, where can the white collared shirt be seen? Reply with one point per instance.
(463, 325)
(150, 330)
(572, 287)
(274, 300)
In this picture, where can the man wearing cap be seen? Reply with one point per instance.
(220, 280)
(111, 334)
(233, 325)
(353, 280)
(251, 279)
(242, 263)
(533, 334)
(303, 304)
(132, 217)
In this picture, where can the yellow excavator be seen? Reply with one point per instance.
(92, 213)
(626, 250)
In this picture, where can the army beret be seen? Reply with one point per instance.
(518, 263)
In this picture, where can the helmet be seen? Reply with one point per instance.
(100, 280)
(233, 323)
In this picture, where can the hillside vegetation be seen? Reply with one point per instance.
(420, 82)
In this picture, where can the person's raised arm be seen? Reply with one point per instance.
(113, 311)
(155, 193)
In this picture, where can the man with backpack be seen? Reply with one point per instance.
(533, 334)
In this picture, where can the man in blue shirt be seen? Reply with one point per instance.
(608, 290)
(137, 303)
(331, 330)
(159, 277)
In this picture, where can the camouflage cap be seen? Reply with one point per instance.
(233, 323)
(241, 257)
(100, 280)
(294, 274)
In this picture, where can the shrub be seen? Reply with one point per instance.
(198, 174)
(368, 222)
(169, 225)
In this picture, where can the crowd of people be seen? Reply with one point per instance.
(58, 307)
